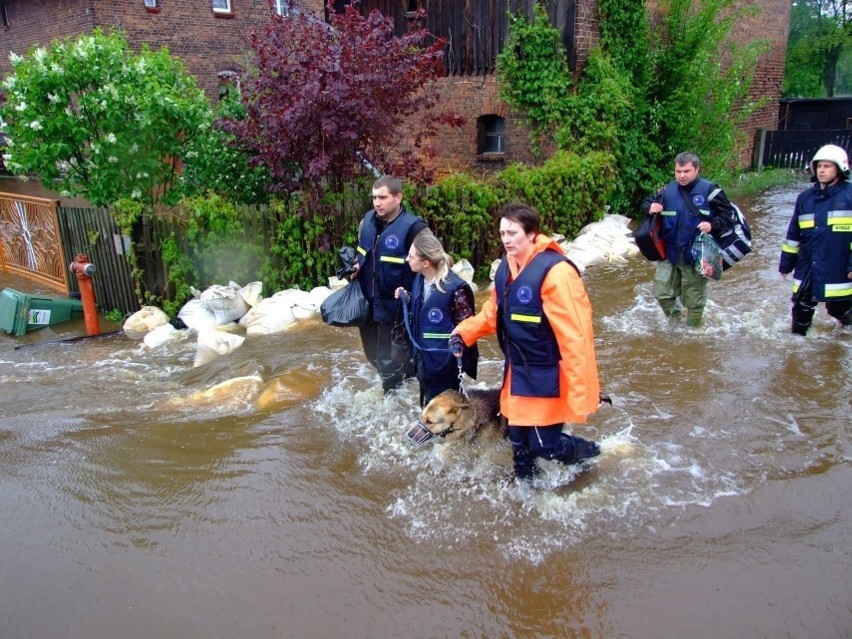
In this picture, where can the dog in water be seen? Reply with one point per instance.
(454, 417)
(472, 419)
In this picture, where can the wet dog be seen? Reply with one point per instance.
(453, 417)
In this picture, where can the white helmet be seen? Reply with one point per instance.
(832, 153)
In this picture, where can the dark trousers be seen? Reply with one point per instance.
(804, 307)
(376, 341)
(530, 442)
(432, 388)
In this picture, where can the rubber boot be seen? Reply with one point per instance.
(576, 450)
(693, 318)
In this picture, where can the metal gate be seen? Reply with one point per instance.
(793, 149)
(29, 240)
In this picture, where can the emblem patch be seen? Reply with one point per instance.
(435, 315)
(698, 199)
(392, 242)
(525, 295)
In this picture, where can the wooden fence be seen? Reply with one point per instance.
(793, 149)
(93, 232)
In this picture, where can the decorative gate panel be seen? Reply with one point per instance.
(29, 240)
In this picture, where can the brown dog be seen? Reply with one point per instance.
(453, 417)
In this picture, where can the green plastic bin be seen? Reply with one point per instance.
(14, 307)
(20, 313)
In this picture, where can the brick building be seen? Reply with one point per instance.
(211, 36)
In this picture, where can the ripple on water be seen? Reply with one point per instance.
(473, 496)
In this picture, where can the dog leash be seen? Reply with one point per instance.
(407, 322)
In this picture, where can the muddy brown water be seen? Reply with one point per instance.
(133, 507)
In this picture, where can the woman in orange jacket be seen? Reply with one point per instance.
(543, 320)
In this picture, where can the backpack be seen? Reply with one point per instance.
(736, 241)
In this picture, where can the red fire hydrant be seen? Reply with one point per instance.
(84, 271)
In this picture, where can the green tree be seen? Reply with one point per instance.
(217, 163)
(701, 79)
(107, 123)
(651, 89)
(533, 72)
(820, 39)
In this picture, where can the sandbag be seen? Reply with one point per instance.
(212, 344)
(225, 302)
(464, 269)
(301, 303)
(159, 336)
(319, 294)
(346, 307)
(251, 293)
(197, 316)
(143, 321)
(271, 315)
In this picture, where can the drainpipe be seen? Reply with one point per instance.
(84, 271)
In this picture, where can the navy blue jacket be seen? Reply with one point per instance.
(523, 331)
(819, 242)
(382, 249)
(432, 323)
(680, 225)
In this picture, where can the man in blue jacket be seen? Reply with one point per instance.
(689, 205)
(818, 248)
(384, 237)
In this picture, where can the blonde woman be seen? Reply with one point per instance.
(439, 300)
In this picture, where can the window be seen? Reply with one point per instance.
(283, 8)
(222, 6)
(490, 134)
(228, 84)
(150, 4)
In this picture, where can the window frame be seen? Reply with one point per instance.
(228, 11)
(490, 127)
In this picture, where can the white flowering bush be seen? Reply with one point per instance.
(106, 122)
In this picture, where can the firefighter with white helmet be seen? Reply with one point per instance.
(818, 247)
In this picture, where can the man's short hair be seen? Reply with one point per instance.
(394, 185)
(523, 214)
(687, 158)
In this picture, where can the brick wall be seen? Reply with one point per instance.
(772, 24)
(207, 42)
(473, 97)
(210, 44)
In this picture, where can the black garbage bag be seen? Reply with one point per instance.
(346, 307)
(347, 259)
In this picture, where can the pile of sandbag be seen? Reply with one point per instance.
(609, 241)
(218, 305)
(279, 312)
(218, 314)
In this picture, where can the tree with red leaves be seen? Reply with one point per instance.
(327, 100)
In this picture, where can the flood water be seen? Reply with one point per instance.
(134, 506)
